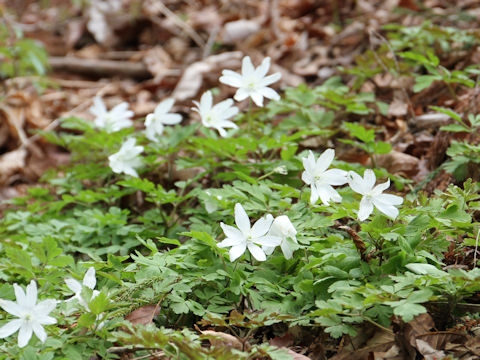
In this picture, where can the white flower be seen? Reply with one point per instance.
(248, 237)
(320, 179)
(89, 281)
(127, 159)
(282, 228)
(372, 195)
(116, 119)
(155, 122)
(211, 204)
(216, 116)
(252, 83)
(31, 316)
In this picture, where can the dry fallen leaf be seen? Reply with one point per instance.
(296, 356)
(222, 339)
(397, 162)
(192, 79)
(143, 315)
(239, 30)
(11, 162)
(428, 351)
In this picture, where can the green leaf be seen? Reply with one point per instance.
(407, 311)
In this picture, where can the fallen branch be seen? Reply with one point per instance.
(100, 68)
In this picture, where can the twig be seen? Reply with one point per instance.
(476, 249)
(211, 39)
(397, 68)
(57, 121)
(179, 22)
(97, 67)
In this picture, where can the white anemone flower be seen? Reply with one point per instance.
(373, 195)
(320, 179)
(282, 228)
(114, 120)
(248, 237)
(31, 316)
(89, 281)
(127, 158)
(252, 82)
(155, 122)
(216, 116)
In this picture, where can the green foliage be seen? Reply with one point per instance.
(20, 56)
(153, 240)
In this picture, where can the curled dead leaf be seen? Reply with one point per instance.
(219, 339)
(239, 30)
(11, 162)
(191, 80)
(143, 315)
(397, 162)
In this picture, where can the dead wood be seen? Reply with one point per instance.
(101, 68)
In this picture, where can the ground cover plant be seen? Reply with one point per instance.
(261, 215)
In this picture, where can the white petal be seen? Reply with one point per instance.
(171, 119)
(24, 334)
(269, 93)
(46, 320)
(231, 78)
(369, 178)
(20, 295)
(390, 199)
(232, 232)
(73, 285)
(11, 307)
(257, 252)
(270, 79)
(283, 227)
(385, 208)
(287, 251)
(314, 195)
(31, 295)
(89, 279)
(237, 251)
(324, 194)
(227, 242)
(257, 98)
(309, 165)
(381, 187)
(268, 240)
(247, 67)
(334, 195)
(324, 160)
(356, 183)
(366, 208)
(222, 106)
(39, 331)
(268, 250)
(307, 177)
(227, 124)
(241, 219)
(46, 306)
(262, 70)
(335, 176)
(206, 102)
(241, 94)
(164, 107)
(261, 227)
(9, 328)
(98, 109)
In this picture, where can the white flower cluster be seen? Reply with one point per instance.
(261, 238)
(252, 83)
(321, 181)
(31, 316)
